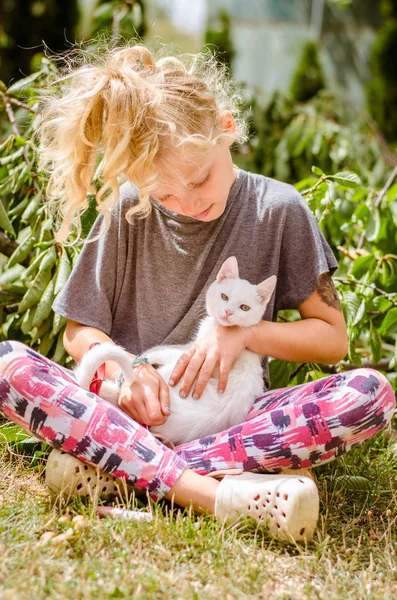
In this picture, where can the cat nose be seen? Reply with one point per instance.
(228, 312)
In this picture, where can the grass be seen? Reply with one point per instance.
(182, 556)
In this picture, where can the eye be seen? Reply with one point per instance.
(224, 297)
(245, 307)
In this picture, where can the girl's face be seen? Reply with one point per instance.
(197, 186)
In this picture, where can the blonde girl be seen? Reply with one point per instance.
(154, 136)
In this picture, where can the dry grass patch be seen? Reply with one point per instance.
(182, 556)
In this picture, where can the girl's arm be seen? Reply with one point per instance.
(320, 336)
(147, 400)
(78, 338)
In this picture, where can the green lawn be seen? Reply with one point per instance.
(182, 556)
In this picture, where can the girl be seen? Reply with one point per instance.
(140, 281)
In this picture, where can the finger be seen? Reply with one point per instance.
(165, 398)
(180, 366)
(224, 370)
(135, 411)
(153, 408)
(204, 375)
(191, 372)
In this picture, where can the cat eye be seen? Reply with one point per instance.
(245, 307)
(224, 297)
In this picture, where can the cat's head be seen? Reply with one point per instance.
(234, 301)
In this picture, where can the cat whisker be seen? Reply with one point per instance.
(202, 312)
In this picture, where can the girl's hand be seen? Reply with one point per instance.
(147, 399)
(220, 347)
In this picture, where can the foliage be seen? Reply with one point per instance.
(382, 90)
(37, 268)
(56, 25)
(124, 18)
(288, 137)
(218, 38)
(25, 24)
(308, 78)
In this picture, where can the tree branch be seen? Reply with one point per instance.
(370, 285)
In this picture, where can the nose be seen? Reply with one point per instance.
(228, 312)
(190, 203)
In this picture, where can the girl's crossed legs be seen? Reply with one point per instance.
(294, 427)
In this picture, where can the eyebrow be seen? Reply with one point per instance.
(192, 184)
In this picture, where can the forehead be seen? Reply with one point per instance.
(238, 289)
(183, 167)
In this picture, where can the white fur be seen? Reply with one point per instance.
(191, 419)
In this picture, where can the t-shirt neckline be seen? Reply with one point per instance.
(233, 192)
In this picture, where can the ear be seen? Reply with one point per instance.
(229, 269)
(227, 121)
(266, 289)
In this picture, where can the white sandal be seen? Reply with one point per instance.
(287, 504)
(67, 476)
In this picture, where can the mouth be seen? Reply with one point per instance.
(225, 320)
(203, 214)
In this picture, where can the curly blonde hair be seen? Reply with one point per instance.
(117, 113)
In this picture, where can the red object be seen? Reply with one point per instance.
(99, 376)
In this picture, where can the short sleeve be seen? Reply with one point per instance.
(91, 289)
(304, 254)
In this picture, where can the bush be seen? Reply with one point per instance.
(382, 90)
(308, 78)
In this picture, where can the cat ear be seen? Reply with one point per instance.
(229, 269)
(266, 289)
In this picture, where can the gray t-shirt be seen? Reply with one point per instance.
(144, 284)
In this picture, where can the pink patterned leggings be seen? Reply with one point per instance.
(293, 427)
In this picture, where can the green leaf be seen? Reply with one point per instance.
(12, 433)
(360, 313)
(46, 344)
(59, 322)
(389, 323)
(59, 350)
(22, 251)
(354, 483)
(9, 275)
(27, 321)
(375, 342)
(346, 179)
(381, 303)
(362, 212)
(36, 290)
(307, 136)
(22, 84)
(373, 226)
(293, 132)
(5, 222)
(317, 171)
(351, 303)
(33, 267)
(11, 157)
(19, 208)
(50, 257)
(279, 373)
(44, 306)
(362, 265)
(65, 268)
(30, 211)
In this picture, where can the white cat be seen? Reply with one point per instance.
(229, 301)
